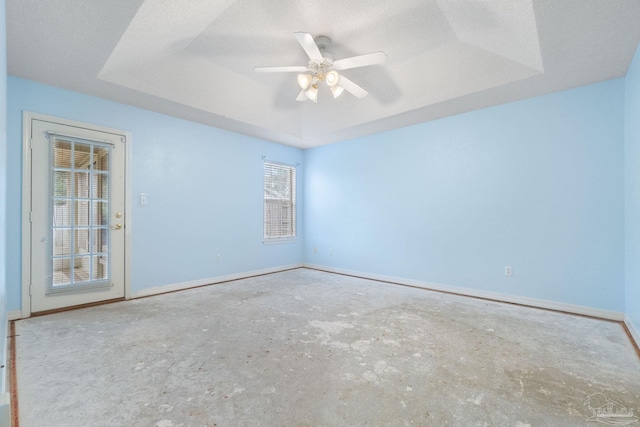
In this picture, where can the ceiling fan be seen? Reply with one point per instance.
(322, 67)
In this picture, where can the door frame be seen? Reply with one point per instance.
(27, 118)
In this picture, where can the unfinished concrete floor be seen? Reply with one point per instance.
(307, 348)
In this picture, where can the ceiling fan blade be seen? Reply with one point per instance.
(291, 69)
(360, 61)
(352, 88)
(309, 46)
(301, 96)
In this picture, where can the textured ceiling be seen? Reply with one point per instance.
(194, 59)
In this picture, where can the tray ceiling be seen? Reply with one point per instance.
(195, 59)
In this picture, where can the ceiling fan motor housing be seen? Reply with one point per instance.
(322, 42)
(324, 66)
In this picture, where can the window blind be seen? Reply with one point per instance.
(279, 201)
(79, 213)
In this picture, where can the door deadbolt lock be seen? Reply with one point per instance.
(118, 214)
(117, 227)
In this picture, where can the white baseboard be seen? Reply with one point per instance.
(531, 302)
(632, 330)
(14, 315)
(209, 281)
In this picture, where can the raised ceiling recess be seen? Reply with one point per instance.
(195, 59)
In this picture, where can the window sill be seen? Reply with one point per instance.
(279, 241)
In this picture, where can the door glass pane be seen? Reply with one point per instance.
(62, 271)
(81, 269)
(100, 214)
(81, 213)
(100, 242)
(80, 198)
(81, 185)
(101, 158)
(61, 212)
(82, 240)
(61, 241)
(61, 184)
(100, 186)
(62, 154)
(100, 267)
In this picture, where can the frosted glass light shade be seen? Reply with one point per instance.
(332, 78)
(304, 80)
(336, 91)
(312, 93)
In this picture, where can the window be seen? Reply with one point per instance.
(279, 201)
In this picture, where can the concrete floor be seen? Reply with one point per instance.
(307, 348)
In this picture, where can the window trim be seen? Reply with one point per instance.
(288, 239)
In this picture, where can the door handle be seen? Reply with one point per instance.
(116, 227)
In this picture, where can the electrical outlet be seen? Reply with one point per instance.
(508, 271)
(330, 252)
(315, 251)
(218, 258)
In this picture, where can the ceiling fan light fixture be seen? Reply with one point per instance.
(304, 80)
(336, 91)
(322, 67)
(312, 93)
(332, 78)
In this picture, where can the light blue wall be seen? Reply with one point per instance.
(537, 185)
(3, 195)
(632, 191)
(204, 186)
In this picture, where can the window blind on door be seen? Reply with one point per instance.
(279, 201)
(79, 213)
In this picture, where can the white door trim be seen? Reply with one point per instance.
(27, 117)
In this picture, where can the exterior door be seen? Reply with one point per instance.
(77, 216)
